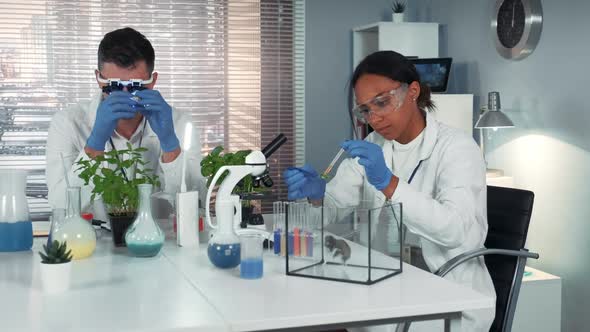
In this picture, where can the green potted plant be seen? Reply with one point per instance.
(109, 173)
(246, 188)
(55, 267)
(398, 8)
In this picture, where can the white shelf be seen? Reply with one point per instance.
(409, 39)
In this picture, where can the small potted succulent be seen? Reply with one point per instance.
(55, 267)
(398, 7)
(247, 189)
(111, 176)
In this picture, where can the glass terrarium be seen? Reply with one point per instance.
(357, 244)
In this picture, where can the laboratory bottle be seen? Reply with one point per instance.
(16, 229)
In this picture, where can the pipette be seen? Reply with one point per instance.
(329, 168)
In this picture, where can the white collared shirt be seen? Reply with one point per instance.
(68, 132)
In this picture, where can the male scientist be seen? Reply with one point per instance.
(116, 117)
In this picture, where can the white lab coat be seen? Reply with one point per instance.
(445, 204)
(68, 133)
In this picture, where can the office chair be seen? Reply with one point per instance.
(509, 215)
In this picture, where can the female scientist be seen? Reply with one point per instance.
(436, 171)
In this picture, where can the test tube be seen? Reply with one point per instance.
(278, 216)
(296, 229)
(310, 236)
(289, 231)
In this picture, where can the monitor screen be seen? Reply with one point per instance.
(434, 72)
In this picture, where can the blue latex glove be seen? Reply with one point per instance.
(159, 115)
(371, 157)
(304, 182)
(114, 107)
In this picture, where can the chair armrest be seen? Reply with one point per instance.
(455, 261)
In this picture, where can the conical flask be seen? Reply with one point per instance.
(144, 237)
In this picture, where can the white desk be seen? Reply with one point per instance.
(181, 291)
(110, 292)
(282, 302)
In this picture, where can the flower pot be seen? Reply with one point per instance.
(119, 224)
(397, 17)
(55, 278)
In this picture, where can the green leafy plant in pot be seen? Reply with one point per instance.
(245, 188)
(109, 174)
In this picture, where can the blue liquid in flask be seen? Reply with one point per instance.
(224, 256)
(16, 236)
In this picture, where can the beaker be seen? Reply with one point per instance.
(251, 266)
(16, 229)
(144, 238)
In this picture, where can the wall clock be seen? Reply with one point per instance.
(516, 27)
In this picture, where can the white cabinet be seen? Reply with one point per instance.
(455, 110)
(539, 303)
(410, 39)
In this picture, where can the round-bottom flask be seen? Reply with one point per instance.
(224, 246)
(78, 233)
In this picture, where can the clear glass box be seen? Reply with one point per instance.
(358, 244)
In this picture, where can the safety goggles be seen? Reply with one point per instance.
(383, 103)
(116, 84)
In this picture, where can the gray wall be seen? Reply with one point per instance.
(544, 95)
(328, 66)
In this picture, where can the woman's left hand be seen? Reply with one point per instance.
(371, 157)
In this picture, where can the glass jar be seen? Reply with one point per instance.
(16, 229)
(144, 237)
(78, 233)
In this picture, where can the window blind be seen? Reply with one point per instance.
(235, 65)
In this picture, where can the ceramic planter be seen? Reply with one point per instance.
(55, 278)
(397, 17)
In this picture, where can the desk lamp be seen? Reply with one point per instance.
(492, 118)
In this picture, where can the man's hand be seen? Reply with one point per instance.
(114, 107)
(159, 116)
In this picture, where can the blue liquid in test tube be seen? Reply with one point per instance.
(290, 244)
(277, 241)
